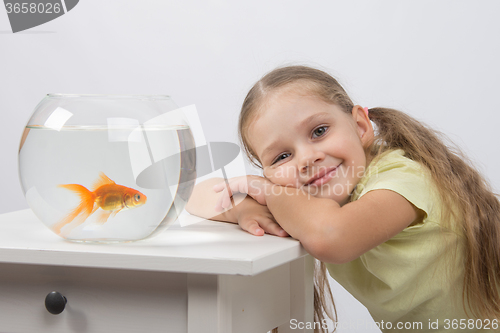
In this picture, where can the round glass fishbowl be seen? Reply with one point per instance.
(107, 168)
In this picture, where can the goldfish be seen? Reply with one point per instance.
(105, 194)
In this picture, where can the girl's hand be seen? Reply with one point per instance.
(257, 219)
(254, 186)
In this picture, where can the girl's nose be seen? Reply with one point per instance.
(310, 158)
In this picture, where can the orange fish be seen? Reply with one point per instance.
(107, 195)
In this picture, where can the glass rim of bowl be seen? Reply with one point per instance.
(131, 96)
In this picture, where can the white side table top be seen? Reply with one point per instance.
(207, 247)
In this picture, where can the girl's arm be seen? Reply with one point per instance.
(248, 213)
(329, 232)
(337, 234)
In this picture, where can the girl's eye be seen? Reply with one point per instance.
(320, 131)
(279, 158)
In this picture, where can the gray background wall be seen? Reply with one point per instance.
(436, 60)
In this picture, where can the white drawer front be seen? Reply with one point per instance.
(99, 300)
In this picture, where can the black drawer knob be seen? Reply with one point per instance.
(55, 302)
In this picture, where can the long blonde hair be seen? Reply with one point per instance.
(465, 194)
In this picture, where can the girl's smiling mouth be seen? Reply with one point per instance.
(323, 177)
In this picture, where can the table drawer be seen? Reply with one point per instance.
(98, 300)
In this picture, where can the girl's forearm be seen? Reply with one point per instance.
(301, 214)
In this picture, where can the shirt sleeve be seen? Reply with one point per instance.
(405, 177)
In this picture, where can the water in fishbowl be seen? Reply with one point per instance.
(101, 184)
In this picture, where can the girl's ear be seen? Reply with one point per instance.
(363, 125)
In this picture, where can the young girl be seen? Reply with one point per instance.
(402, 221)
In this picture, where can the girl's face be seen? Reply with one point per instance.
(299, 138)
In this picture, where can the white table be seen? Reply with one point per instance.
(205, 277)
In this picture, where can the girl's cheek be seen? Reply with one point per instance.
(274, 177)
(284, 176)
(271, 178)
(267, 173)
(288, 172)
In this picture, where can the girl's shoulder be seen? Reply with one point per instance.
(394, 166)
(392, 159)
(392, 170)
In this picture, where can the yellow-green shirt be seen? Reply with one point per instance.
(402, 282)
